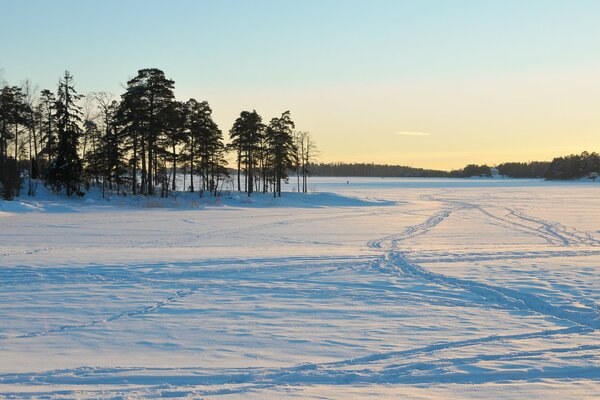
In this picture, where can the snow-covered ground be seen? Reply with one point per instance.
(398, 288)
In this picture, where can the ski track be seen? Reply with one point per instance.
(403, 371)
(371, 358)
(449, 257)
(506, 297)
(29, 252)
(511, 224)
(262, 226)
(553, 232)
(123, 275)
(412, 231)
(125, 314)
(328, 373)
(399, 369)
(585, 318)
(567, 235)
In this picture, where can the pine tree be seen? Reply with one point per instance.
(195, 116)
(14, 115)
(47, 108)
(205, 148)
(174, 136)
(91, 139)
(144, 112)
(246, 135)
(65, 171)
(281, 148)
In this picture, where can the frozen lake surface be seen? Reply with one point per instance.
(397, 288)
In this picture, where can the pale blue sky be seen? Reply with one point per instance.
(311, 56)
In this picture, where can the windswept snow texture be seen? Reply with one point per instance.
(391, 288)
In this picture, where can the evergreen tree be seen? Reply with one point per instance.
(174, 136)
(106, 159)
(47, 108)
(246, 136)
(574, 166)
(147, 131)
(281, 148)
(14, 115)
(195, 117)
(144, 111)
(131, 122)
(91, 140)
(113, 151)
(65, 171)
(205, 148)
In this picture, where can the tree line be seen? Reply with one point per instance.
(372, 170)
(574, 166)
(398, 171)
(138, 143)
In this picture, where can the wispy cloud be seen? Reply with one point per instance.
(412, 133)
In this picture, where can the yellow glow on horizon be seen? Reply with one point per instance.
(441, 124)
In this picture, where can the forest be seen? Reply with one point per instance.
(389, 171)
(574, 166)
(372, 170)
(138, 143)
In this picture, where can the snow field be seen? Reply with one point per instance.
(390, 288)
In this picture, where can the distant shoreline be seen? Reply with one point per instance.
(571, 167)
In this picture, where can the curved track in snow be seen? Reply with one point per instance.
(383, 291)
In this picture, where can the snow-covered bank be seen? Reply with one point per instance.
(461, 289)
(44, 201)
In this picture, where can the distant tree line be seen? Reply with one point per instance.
(471, 170)
(138, 143)
(534, 169)
(372, 170)
(401, 171)
(574, 166)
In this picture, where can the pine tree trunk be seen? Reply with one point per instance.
(149, 178)
(239, 161)
(144, 172)
(250, 174)
(174, 167)
(35, 152)
(30, 188)
(18, 187)
(134, 166)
